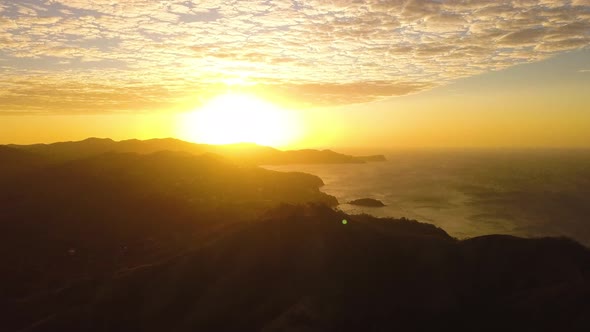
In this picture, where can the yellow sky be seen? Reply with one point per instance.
(410, 73)
(471, 113)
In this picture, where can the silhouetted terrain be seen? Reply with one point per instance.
(172, 241)
(243, 153)
(17, 161)
(115, 209)
(370, 202)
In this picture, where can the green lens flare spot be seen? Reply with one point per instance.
(344, 221)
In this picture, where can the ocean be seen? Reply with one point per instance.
(530, 193)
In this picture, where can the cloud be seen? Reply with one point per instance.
(59, 55)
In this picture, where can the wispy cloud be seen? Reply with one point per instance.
(78, 55)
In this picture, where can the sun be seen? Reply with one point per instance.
(239, 118)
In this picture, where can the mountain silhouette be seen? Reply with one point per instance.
(299, 268)
(176, 241)
(248, 153)
(18, 161)
(125, 209)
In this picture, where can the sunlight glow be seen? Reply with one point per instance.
(239, 118)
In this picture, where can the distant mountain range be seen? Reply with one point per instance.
(243, 152)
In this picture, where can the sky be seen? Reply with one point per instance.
(376, 73)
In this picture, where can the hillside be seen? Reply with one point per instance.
(300, 268)
(98, 214)
(244, 152)
(170, 241)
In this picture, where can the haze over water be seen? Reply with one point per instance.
(472, 192)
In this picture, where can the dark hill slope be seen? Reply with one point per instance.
(302, 269)
(90, 216)
(16, 161)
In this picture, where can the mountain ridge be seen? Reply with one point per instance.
(248, 153)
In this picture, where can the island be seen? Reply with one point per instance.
(369, 202)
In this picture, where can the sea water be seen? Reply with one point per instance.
(531, 193)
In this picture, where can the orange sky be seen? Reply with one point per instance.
(417, 73)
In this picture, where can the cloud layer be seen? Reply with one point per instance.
(139, 55)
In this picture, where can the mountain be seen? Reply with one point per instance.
(299, 268)
(16, 160)
(60, 222)
(243, 152)
(173, 241)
